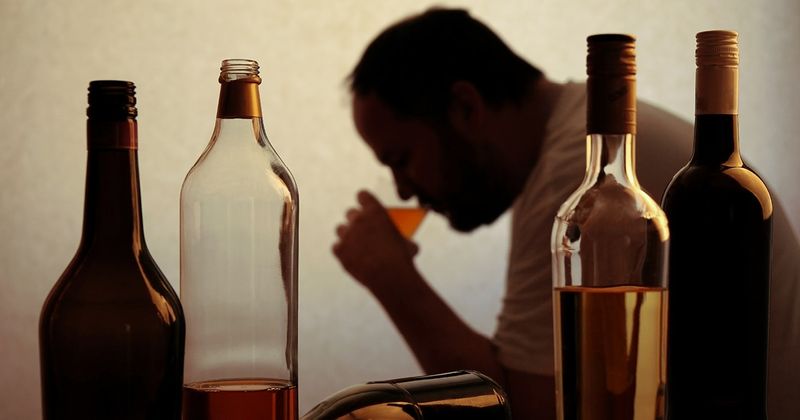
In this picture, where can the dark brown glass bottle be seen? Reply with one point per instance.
(462, 395)
(720, 216)
(111, 332)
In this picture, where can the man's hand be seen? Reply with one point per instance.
(370, 247)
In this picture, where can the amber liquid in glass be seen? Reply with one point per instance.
(407, 219)
(240, 399)
(610, 346)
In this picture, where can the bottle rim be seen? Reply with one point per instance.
(717, 48)
(238, 68)
(111, 100)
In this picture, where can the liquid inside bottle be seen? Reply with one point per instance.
(240, 399)
(611, 351)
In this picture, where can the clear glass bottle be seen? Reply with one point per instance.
(111, 331)
(609, 247)
(239, 211)
(720, 216)
(461, 395)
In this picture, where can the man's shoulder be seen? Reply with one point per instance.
(649, 113)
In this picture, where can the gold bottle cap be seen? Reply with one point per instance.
(717, 84)
(717, 48)
(238, 97)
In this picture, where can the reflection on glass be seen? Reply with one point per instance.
(463, 395)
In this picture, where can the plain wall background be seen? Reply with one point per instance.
(50, 50)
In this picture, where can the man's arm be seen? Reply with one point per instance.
(442, 342)
(375, 254)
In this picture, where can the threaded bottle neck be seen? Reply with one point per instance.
(717, 48)
(112, 115)
(717, 83)
(234, 69)
(111, 100)
(717, 99)
(238, 95)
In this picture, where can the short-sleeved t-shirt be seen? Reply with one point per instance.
(524, 335)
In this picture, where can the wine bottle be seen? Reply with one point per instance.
(463, 395)
(609, 247)
(239, 211)
(111, 331)
(720, 215)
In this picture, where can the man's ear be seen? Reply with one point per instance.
(467, 110)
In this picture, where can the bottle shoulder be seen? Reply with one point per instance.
(717, 186)
(609, 199)
(608, 209)
(103, 283)
(610, 234)
(254, 173)
(266, 188)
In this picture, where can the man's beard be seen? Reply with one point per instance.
(478, 197)
(481, 205)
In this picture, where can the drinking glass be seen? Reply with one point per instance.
(406, 215)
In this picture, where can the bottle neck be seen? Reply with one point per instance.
(611, 128)
(112, 209)
(239, 120)
(611, 155)
(716, 140)
(716, 134)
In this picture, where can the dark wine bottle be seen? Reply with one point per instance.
(463, 395)
(720, 215)
(111, 332)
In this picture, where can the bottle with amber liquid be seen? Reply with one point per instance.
(111, 332)
(609, 247)
(239, 211)
(463, 395)
(720, 214)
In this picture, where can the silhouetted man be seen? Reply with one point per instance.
(471, 130)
